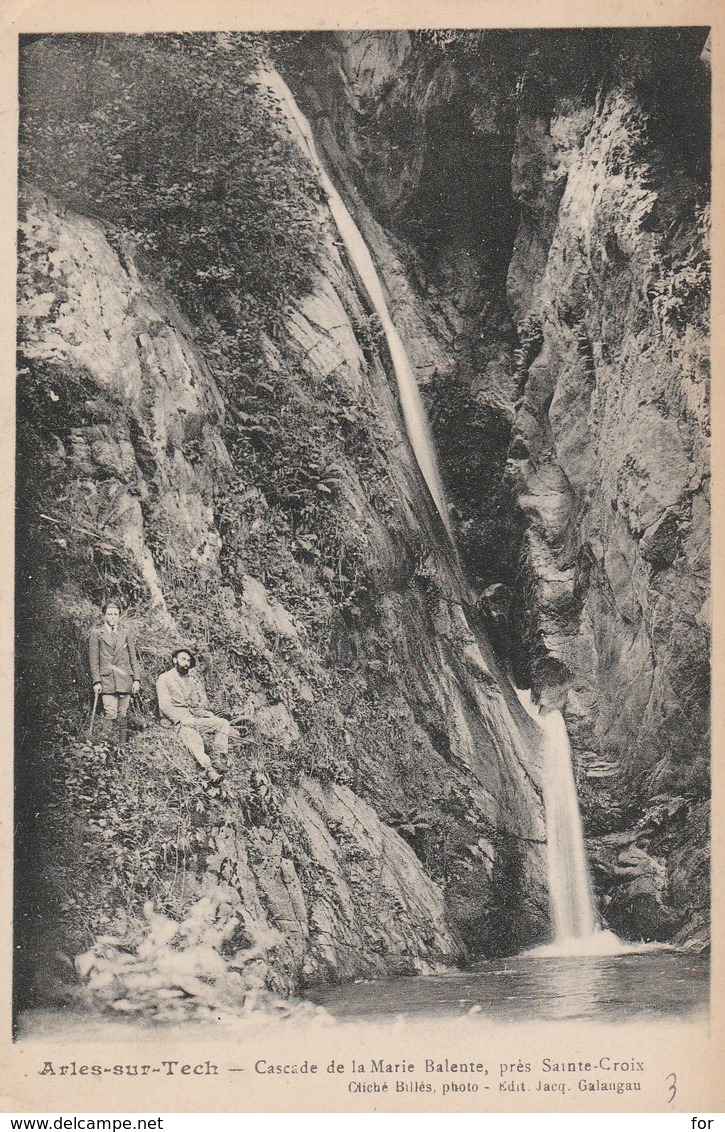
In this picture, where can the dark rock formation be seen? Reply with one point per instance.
(612, 463)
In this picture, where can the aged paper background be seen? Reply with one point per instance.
(694, 1052)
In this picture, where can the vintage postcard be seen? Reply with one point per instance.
(360, 599)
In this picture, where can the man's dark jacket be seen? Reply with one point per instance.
(113, 660)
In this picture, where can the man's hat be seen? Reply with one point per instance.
(184, 648)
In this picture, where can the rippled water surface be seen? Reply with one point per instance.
(607, 988)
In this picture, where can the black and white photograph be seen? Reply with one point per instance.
(362, 563)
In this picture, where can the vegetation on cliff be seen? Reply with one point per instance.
(170, 138)
(205, 429)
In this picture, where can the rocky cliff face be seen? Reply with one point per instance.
(208, 431)
(379, 813)
(611, 463)
(592, 191)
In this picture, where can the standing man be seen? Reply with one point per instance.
(115, 670)
(183, 699)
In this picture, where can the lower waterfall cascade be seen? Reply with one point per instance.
(575, 924)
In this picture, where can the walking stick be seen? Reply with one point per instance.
(93, 716)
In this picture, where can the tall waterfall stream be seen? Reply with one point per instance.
(414, 414)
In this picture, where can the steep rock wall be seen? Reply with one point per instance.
(369, 706)
(611, 463)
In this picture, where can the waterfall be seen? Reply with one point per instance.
(574, 918)
(572, 901)
(414, 415)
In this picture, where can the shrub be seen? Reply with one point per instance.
(170, 138)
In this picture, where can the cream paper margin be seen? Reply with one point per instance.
(695, 1052)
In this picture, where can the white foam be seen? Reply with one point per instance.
(598, 943)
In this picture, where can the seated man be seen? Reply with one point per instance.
(183, 700)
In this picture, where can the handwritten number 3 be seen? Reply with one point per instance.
(672, 1078)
